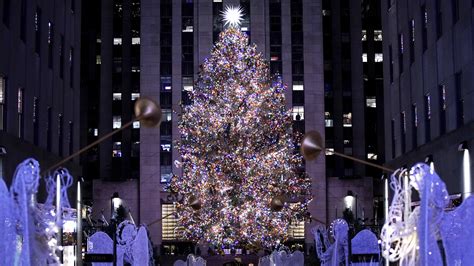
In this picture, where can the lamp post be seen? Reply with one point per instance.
(466, 170)
(115, 203)
(79, 225)
(350, 200)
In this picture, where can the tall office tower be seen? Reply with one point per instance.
(111, 84)
(429, 99)
(39, 83)
(353, 104)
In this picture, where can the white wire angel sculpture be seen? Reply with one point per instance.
(428, 234)
(337, 252)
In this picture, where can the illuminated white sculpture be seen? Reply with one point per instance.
(28, 229)
(412, 236)
(133, 245)
(336, 253)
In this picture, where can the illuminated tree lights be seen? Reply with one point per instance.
(238, 153)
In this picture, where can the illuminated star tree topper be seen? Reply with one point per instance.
(232, 16)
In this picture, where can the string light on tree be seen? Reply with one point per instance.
(240, 168)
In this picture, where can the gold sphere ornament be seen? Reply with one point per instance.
(312, 145)
(148, 112)
(277, 203)
(194, 202)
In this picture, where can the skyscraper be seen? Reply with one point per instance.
(39, 83)
(428, 64)
(353, 103)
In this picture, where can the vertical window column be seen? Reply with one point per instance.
(442, 109)
(297, 63)
(427, 117)
(60, 135)
(50, 43)
(49, 129)
(36, 120)
(166, 89)
(218, 26)
(390, 58)
(400, 53)
(414, 130)
(38, 30)
(424, 26)
(403, 131)
(20, 109)
(459, 100)
(3, 98)
(412, 41)
(275, 37)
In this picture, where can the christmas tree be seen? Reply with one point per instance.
(238, 153)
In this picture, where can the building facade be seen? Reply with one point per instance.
(353, 91)
(39, 82)
(428, 65)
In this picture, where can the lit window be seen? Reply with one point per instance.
(136, 124)
(20, 100)
(298, 86)
(166, 173)
(217, 1)
(274, 58)
(117, 96)
(378, 57)
(328, 119)
(169, 222)
(298, 113)
(347, 120)
(377, 35)
(188, 25)
(117, 121)
(98, 40)
(2, 90)
(296, 228)
(2, 102)
(166, 147)
(98, 59)
(117, 41)
(371, 156)
(166, 114)
(50, 32)
(135, 41)
(371, 102)
(135, 96)
(96, 132)
(188, 84)
(364, 57)
(329, 151)
(428, 106)
(364, 35)
(135, 69)
(117, 149)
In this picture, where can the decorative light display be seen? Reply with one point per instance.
(241, 169)
(232, 16)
